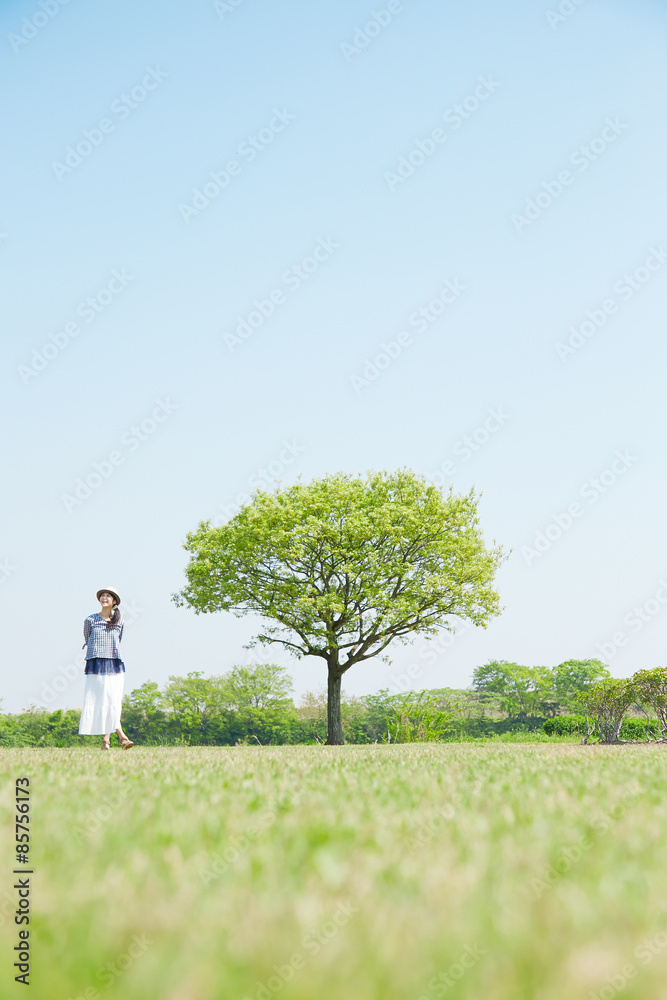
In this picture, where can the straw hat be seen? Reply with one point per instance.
(109, 590)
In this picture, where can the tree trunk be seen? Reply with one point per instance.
(334, 722)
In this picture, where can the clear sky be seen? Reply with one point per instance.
(244, 241)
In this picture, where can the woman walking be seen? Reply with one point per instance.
(105, 672)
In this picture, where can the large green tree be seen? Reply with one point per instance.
(263, 685)
(343, 566)
(522, 691)
(196, 700)
(573, 676)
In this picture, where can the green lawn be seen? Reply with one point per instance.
(501, 872)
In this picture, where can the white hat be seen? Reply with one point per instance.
(108, 590)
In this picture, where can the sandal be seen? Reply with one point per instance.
(125, 743)
(106, 744)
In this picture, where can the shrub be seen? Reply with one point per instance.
(639, 729)
(650, 688)
(605, 704)
(565, 725)
(419, 718)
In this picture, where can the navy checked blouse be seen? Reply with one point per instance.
(101, 641)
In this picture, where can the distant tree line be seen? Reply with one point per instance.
(604, 703)
(254, 705)
(246, 705)
(526, 693)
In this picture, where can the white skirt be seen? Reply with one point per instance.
(102, 699)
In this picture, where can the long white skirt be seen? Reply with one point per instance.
(102, 699)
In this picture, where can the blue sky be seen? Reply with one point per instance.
(365, 157)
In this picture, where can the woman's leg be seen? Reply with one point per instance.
(125, 742)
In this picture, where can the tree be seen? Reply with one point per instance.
(197, 700)
(576, 675)
(523, 691)
(343, 566)
(605, 704)
(650, 691)
(143, 712)
(259, 698)
(264, 685)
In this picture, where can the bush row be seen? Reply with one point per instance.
(197, 711)
(267, 727)
(575, 725)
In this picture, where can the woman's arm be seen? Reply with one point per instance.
(87, 626)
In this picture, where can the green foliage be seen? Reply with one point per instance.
(573, 676)
(198, 702)
(44, 729)
(650, 690)
(636, 729)
(525, 691)
(419, 718)
(572, 725)
(605, 704)
(252, 705)
(343, 566)
(264, 685)
(565, 725)
(144, 716)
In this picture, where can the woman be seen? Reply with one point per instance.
(105, 672)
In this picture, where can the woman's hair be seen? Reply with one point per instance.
(114, 618)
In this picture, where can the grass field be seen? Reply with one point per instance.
(360, 872)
